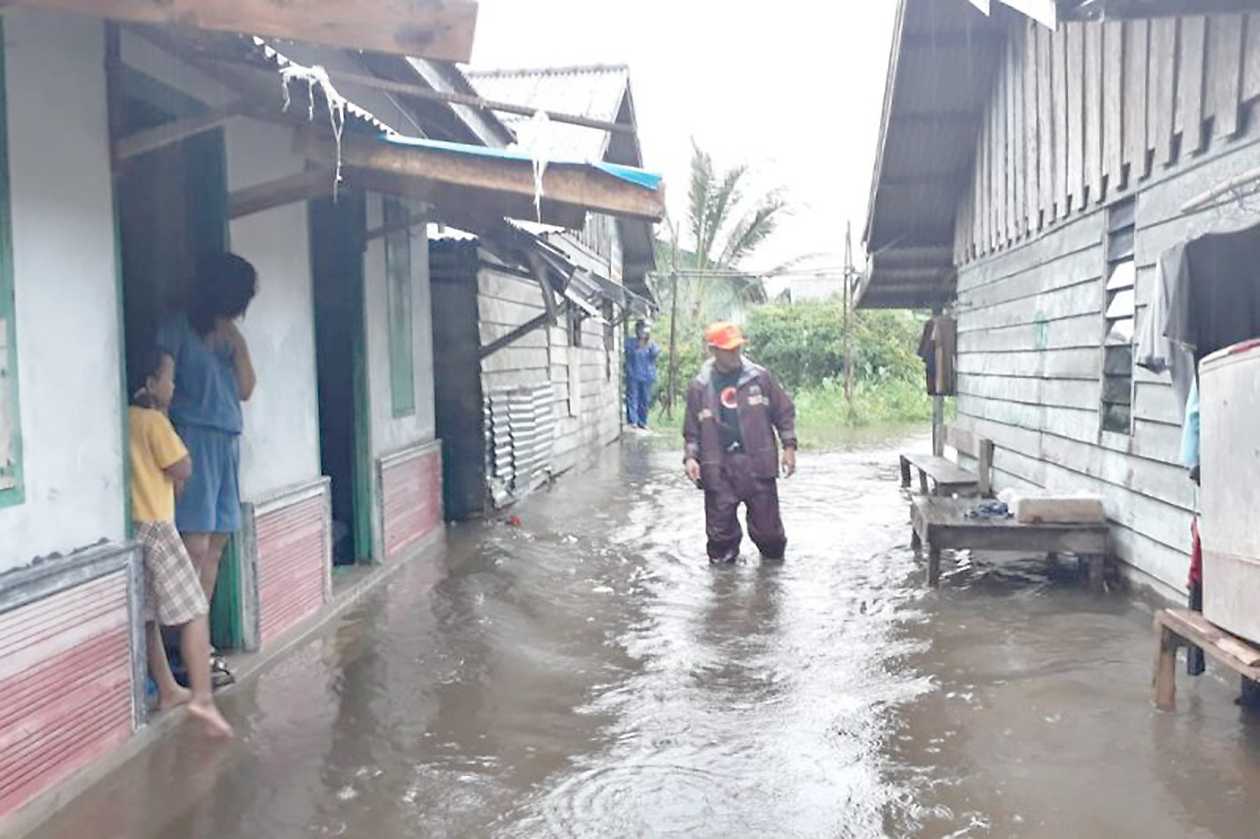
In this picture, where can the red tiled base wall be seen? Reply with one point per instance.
(65, 685)
(411, 492)
(292, 564)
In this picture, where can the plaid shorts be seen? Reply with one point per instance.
(172, 589)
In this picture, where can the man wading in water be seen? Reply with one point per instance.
(734, 409)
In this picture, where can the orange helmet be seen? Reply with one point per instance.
(724, 336)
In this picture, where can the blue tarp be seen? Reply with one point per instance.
(629, 174)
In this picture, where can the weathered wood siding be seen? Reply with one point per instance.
(1093, 111)
(507, 300)
(1162, 110)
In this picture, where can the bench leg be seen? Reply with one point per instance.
(934, 566)
(1166, 670)
(905, 472)
(916, 543)
(923, 482)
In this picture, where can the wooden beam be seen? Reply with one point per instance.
(290, 189)
(566, 185)
(151, 139)
(515, 335)
(439, 29)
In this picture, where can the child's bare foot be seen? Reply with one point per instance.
(177, 696)
(207, 715)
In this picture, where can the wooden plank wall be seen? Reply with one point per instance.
(506, 301)
(1088, 113)
(1153, 98)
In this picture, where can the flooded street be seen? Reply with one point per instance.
(588, 674)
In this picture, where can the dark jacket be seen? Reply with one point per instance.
(764, 408)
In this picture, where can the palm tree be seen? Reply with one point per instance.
(727, 228)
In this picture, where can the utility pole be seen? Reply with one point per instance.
(849, 272)
(673, 327)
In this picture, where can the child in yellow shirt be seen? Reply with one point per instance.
(173, 594)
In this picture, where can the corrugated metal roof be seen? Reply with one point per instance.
(940, 72)
(594, 91)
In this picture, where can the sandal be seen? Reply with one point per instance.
(220, 675)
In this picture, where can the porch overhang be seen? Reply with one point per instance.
(437, 29)
(472, 180)
(939, 74)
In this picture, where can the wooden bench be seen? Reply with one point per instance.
(942, 524)
(1183, 628)
(946, 477)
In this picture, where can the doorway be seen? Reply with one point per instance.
(171, 209)
(337, 229)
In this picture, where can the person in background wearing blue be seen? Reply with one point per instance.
(213, 376)
(641, 355)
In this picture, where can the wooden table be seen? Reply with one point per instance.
(1183, 628)
(942, 524)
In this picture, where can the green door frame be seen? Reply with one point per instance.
(349, 227)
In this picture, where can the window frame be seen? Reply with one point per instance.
(1118, 249)
(16, 494)
(400, 290)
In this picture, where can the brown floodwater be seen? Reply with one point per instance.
(588, 674)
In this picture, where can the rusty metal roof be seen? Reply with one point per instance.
(944, 54)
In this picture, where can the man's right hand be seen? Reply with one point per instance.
(693, 469)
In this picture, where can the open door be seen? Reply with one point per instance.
(171, 210)
(337, 229)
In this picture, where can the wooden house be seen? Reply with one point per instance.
(1028, 181)
(529, 373)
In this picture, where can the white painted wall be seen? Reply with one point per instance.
(68, 334)
(280, 443)
(390, 434)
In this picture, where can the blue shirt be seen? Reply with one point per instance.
(206, 393)
(1190, 429)
(641, 361)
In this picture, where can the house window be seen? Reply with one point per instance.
(401, 302)
(1121, 281)
(10, 416)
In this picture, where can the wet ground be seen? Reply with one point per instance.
(587, 674)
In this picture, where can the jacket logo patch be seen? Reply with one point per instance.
(758, 400)
(755, 390)
(706, 414)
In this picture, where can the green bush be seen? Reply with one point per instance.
(803, 343)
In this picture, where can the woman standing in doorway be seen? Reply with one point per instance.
(213, 376)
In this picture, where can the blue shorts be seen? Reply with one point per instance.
(211, 500)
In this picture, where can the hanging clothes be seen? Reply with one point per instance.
(1190, 429)
(937, 347)
(1206, 298)
(1153, 349)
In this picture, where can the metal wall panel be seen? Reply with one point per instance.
(411, 497)
(67, 683)
(293, 559)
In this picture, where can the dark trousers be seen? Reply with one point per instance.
(724, 493)
(638, 401)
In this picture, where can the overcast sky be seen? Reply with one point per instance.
(793, 88)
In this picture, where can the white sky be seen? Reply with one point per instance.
(793, 88)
